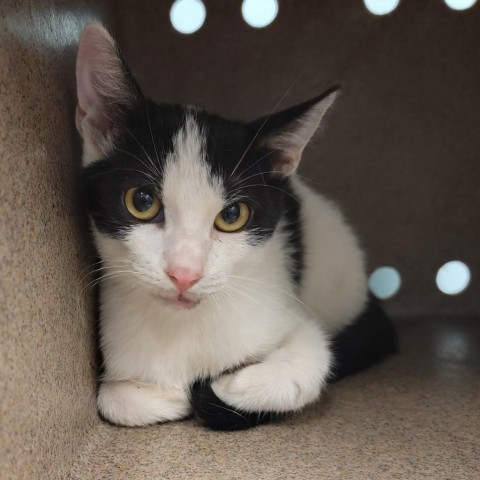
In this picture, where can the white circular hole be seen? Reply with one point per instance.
(385, 282)
(187, 16)
(259, 13)
(453, 277)
(460, 4)
(381, 7)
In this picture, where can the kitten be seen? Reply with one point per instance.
(225, 276)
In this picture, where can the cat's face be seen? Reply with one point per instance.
(180, 199)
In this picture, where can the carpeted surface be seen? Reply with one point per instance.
(416, 416)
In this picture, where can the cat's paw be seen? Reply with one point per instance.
(266, 387)
(135, 404)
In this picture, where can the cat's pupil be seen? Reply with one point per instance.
(231, 213)
(142, 200)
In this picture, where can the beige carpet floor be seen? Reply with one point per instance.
(415, 416)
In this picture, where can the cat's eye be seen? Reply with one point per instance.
(232, 218)
(143, 203)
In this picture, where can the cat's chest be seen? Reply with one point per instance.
(149, 345)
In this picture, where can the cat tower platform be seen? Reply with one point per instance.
(399, 153)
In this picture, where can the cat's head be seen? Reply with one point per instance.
(180, 199)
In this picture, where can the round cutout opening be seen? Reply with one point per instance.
(460, 4)
(385, 282)
(187, 16)
(259, 13)
(453, 277)
(381, 7)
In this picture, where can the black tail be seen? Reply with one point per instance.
(364, 342)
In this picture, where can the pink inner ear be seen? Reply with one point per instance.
(79, 116)
(89, 51)
(95, 60)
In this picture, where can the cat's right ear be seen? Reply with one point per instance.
(106, 90)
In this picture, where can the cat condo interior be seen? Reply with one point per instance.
(399, 153)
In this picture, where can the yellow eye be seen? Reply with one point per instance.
(232, 218)
(142, 203)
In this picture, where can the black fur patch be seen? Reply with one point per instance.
(293, 229)
(217, 415)
(365, 342)
(139, 157)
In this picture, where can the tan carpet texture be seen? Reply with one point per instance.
(414, 417)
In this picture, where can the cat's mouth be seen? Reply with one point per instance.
(181, 301)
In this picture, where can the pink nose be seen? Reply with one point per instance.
(183, 278)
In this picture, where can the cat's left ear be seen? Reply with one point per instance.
(287, 133)
(106, 91)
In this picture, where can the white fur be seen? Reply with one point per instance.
(288, 378)
(334, 279)
(248, 312)
(133, 403)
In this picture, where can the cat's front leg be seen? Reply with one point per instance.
(135, 404)
(286, 380)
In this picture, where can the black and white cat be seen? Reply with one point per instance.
(225, 278)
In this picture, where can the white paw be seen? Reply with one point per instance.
(138, 404)
(267, 387)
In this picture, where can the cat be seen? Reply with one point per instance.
(229, 288)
